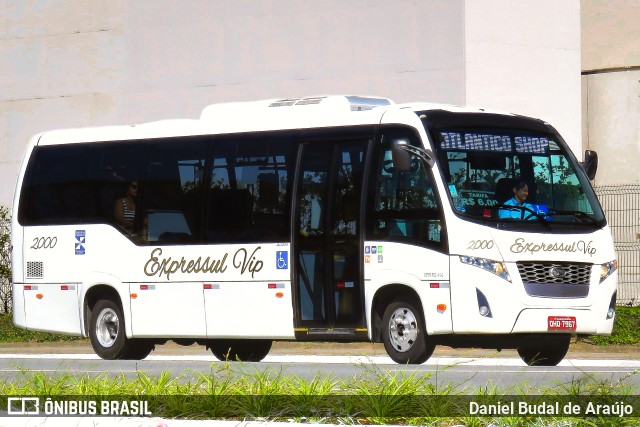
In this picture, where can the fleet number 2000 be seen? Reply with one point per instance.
(480, 244)
(44, 243)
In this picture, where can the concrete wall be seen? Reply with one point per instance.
(612, 121)
(90, 62)
(611, 87)
(74, 63)
(526, 59)
(610, 30)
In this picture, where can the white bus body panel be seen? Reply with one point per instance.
(512, 309)
(171, 309)
(17, 236)
(174, 301)
(249, 310)
(425, 271)
(53, 307)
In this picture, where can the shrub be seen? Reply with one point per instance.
(5, 260)
(626, 328)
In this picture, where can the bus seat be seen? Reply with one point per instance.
(230, 210)
(504, 189)
(110, 192)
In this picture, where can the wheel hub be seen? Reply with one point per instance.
(403, 329)
(107, 327)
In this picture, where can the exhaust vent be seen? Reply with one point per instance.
(35, 270)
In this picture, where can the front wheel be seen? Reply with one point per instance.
(404, 334)
(546, 352)
(240, 350)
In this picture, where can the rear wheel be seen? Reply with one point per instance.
(108, 337)
(240, 350)
(548, 352)
(106, 330)
(404, 334)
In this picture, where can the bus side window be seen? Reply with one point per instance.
(172, 191)
(406, 207)
(56, 190)
(113, 167)
(247, 198)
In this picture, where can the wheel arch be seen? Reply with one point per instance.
(104, 289)
(383, 297)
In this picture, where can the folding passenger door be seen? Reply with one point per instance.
(328, 282)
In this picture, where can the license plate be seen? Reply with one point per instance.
(561, 323)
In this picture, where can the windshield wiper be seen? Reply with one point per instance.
(576, 214)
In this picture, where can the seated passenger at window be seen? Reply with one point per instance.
(124, 210)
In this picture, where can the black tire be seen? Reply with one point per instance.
(545, 353)
(106, 330)
(240, 350)
(404, 334)
(138, 349)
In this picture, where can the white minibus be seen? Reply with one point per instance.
(337, 218)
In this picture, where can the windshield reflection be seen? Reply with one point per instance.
(514, 176)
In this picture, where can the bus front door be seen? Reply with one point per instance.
(328, 278)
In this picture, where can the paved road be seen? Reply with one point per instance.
(466, 369)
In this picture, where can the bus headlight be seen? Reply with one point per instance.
(607, 269)
(495, 267)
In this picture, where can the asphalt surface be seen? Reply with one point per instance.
(578, 350)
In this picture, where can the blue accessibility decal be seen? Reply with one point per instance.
(282, 260)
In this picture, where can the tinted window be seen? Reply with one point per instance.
(405, 207)
(114, 167)
(179, 190)
(247, 195)
(171, 192)
(55, 189)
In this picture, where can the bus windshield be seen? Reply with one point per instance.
(510, 175)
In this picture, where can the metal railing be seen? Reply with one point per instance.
(621, 204)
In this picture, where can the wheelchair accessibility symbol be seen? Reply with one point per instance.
(282, 260)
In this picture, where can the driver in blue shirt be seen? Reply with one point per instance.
(520, 194)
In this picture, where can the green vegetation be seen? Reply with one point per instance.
(375, 396)
(10, 333)
(5, 260)
(626, 328)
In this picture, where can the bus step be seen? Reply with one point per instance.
(337, 331)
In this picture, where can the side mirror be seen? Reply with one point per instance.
(590, 164)
(400, 156)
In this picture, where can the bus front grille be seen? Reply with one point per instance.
(555, 279)
(562, 273)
